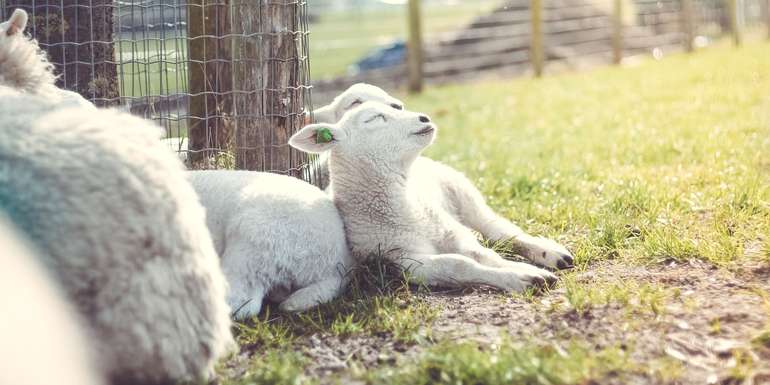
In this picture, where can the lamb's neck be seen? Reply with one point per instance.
(366, 182)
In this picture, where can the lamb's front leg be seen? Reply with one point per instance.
(454, 270)
(472, 211)
(468, 245)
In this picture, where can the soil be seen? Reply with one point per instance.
(708, 319)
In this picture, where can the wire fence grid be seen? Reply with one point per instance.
(228, 80)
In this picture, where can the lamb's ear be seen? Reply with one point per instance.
(324, 114)
(317, 138)
(17, 23)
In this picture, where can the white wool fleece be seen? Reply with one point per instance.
(277, 236)
(121, 229)
(458, 196)
(384, 207)
(25, 67)
(42, 339)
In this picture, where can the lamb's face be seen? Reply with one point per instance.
(370, 131)
(354, 96)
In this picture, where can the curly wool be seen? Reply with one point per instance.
(123, 232)
(23, 65)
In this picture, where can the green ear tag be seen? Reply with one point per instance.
(323, 135)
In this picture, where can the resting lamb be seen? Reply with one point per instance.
(386, 207)
(461, 199)
(275, 235)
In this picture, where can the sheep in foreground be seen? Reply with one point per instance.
(122, 230)
(24, 66)
(43, 343)
(461, 199)
(386, 206)
(277, 236)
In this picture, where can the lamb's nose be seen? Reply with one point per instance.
(397, 106)
(424, 119)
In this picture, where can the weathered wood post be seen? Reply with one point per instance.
(209, 129)
(266, 73)
(617, 32)
(415, 47)
(688, 24)
(537, 56)
(78, 37)
(735, 24)
(767, 17)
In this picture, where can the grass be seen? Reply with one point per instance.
(664, 162)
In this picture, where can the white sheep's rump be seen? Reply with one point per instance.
(275, 235)
(42, 340)
(121, 229)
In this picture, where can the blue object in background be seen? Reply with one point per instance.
(384, 57)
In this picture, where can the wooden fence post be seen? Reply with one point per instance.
(767, 17)
(415, 47)
(688, 24)
(209, 132)
(266, 71)
(617, 32)
(537, 56)
(735, 27)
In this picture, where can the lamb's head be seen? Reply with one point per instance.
(370, 133)
(22, 64)
(354, 96)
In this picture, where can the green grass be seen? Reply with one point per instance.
(468, 363)
(662, 162)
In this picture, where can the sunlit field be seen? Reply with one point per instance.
(656, 176)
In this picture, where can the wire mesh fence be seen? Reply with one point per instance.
(227, 79)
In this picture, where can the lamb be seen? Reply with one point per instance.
(275, 235)
(461, 199)
(386, 206)
(116, 223)
(30, 342)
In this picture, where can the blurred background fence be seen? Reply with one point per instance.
(227, 79)
(360, 40)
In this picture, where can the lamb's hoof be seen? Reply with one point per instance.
(565, 261)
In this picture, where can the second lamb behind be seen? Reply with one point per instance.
(384, 208)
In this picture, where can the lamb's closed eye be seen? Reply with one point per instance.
(375, 117)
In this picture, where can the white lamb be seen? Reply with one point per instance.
(387, 206)
(461, 199)
(42, 340)
(117, 224)
(277, 236)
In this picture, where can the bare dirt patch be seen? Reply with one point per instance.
(701, 333)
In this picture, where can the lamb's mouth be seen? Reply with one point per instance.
(425, 131)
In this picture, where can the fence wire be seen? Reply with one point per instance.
(229, 80)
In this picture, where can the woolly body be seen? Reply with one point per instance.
(121, 229)
(275, 235)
